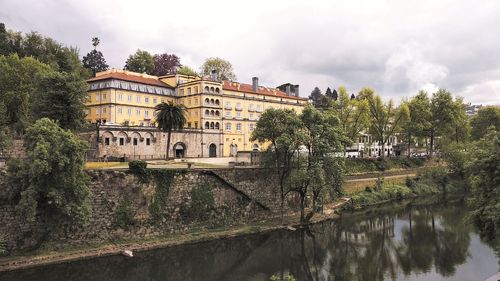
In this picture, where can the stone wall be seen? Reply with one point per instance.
(240, 195)
(149, 143)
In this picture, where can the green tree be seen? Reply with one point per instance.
(5, 137)
(169, 117)
(317, 98)
(386, 118)
(61, 96)
(442, 111)
(141, 61)
(486, 117)
(484, 171)
(420, 118)
(18, 83)
(353, 114)
(51, 184)
(94, 60)
(186, 70)
(223, 69)
(279, 128)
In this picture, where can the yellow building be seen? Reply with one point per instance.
(230, 108)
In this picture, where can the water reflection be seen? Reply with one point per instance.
(424, 241)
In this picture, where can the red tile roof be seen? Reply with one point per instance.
(130, 78)
(247, 88)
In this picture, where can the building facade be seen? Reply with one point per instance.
(225, 112)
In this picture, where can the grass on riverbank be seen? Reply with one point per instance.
(365, 165)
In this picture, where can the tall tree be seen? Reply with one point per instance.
(279, 128)
(328, 92)
(166, 64)
(141, 61)
(442, 111)
(222, 68)
(61, 97)
(420, 118)
(94, 60)
(386, 118)
(169, 117)
(486, 117)
(335, 95)
(316, 97)
(353, 114)
(186, 70)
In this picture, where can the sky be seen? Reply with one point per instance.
(395, 47)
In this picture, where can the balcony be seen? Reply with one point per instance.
(239, 108)
(228, 107)
(259, 109)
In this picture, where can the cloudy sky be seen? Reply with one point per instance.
(396, 47)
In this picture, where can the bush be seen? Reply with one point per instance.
(124, 214)
(410, 183)
(137, 166)
(3, 245)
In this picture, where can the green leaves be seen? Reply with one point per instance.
(141, 61)
(50, 181)
(222, 67)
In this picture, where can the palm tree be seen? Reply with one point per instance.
(170, 116)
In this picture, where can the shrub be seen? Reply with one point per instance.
(137, 166)
(3, 245)
(410, 183)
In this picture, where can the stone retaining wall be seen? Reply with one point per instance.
(240, 195)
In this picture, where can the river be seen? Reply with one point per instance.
(419, 240)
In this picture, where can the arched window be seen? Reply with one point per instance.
(212, 113)
(217, 126)
(207, 101)
(207, 125)
(207, 112)
(212, 101)
(212, 89)
(212, 125)
(217, 113)
(206, 89)
(217, 90)
(217, 102)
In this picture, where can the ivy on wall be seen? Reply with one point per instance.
(162, 180)
(202, 203)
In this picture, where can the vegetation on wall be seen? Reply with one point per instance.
(124, 214)
(202, 203)
(3, 245)
(161, 179)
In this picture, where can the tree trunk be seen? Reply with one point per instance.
(409, 144)
(432, 144)
(168, 143)
(302, 207)
(383, 150)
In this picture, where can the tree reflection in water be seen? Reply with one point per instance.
(382, 244)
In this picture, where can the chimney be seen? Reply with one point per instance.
(296, 90)
(287, 89)
(255, 84)
(213, 75)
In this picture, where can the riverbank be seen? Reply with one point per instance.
(51, 255)
(90, 251)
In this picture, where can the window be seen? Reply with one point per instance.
(189, 125)
(228, 126)
(238, 114)
(120, 97)
(155, 101)
(138, 112)
(146, 100)
(119, 110)
(97, 111)
(138, 99)
(238, 127)
(195, 89)
(207, 101)
(189, 102)
(146, 113)
(196, 101)
(122, 141)
(129, 111)
(129, 98)
(148, 141)
(189, 91)
(252, 125)
(196, 114)
(196, 124)
(106, 141)
(97, 97)
(228, 114)
(103, 110)
(135, 141)
(207, 125)
(251, 116)
(217, 126)
(103, 96)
